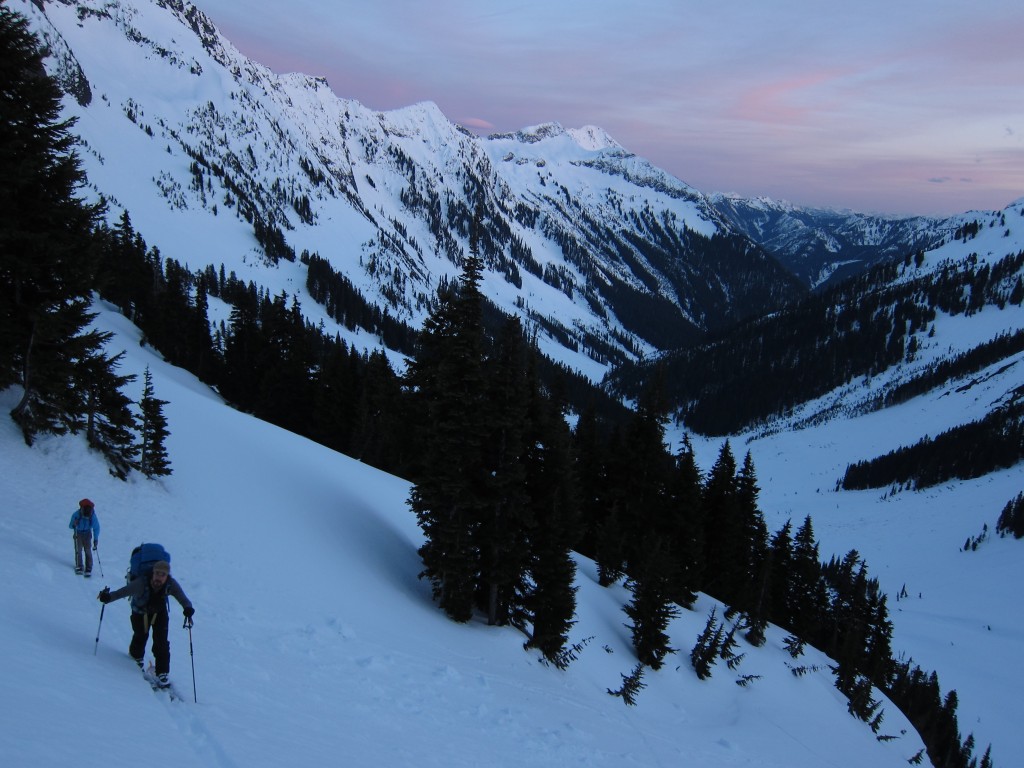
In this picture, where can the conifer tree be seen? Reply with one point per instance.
(337, 392)
(781, 553)
(551, 492)
(724, 553)
(244, 351)
(651, 608)
(591, 473)
(632, 684)
(502, 536)
(1011, 519)
(378, 417)
(153, 458)
(686, 527)
(727, 651)
(706, 650)
(109, 422)
(752, 597)
(46, 237)
(446, 381)
(806, 596)
(609, 547)
(645, 502)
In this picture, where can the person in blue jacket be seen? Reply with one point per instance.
(86, 527)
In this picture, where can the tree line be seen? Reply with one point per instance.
(503, 489)
(48, 266)
(971, 450)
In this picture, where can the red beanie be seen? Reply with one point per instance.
(86, 503)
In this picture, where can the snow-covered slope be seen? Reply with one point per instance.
(315, 643)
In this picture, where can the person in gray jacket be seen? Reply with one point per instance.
(149, 598)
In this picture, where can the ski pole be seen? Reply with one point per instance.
(96, 647)
(192, 655)
(96, 551)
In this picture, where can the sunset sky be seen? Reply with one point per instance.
(908, 107)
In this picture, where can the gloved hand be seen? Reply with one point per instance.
(188, 612)
(104, 595)
(95, 545)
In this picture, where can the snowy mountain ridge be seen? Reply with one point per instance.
(196, 141)
(625, 259)
(823, 246)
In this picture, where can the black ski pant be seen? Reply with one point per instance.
(142, 623)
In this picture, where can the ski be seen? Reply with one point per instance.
(156, 685)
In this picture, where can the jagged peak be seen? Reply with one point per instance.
(420, 113)
(589, 137)
(593, 138)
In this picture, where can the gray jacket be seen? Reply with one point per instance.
(146, 600)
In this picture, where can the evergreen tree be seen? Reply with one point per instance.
(727, 652)
(707, 648)
(686, 527)
(781, 554)
(46, 238)
(502, 536)
(756, 564)
(590, 469)
(610, 547)
(806, 597)
(337, 391)
(125, 275)
(379, 414)
(153, 458)
(202, 360)
(611, 528)
(245, 354)
(551, 492)
(446, 382)
(109, 423)
(646, 476)
(1011, 519)
(724, 533)
(284, 365)
(651, 608)
(632, 684)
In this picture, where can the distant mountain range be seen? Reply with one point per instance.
(822, 246)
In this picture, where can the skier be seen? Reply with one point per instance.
(86, 526)
(149, 593)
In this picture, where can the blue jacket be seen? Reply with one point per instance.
(84, 523)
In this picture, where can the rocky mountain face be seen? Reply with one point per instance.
(606, 259)
(219, 161)
(822, 246)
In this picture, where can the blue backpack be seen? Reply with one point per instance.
(143, 557)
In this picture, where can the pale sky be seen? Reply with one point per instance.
(902, 106)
